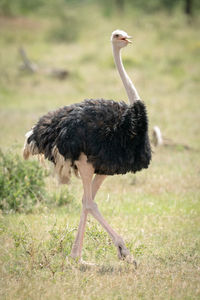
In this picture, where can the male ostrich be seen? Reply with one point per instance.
(100, 137)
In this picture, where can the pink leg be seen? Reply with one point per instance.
(123, 252)
(89, 206)
(96, 183)
(78, 243)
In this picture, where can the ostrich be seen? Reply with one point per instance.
(95, 138)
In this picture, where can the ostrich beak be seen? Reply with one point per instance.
(127, 39)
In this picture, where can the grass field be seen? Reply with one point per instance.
(157, 211)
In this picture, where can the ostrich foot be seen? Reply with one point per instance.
(124, 254)
(79, 261)
(130, 260)
(86, 263)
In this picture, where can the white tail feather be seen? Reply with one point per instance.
(62, 167)
(29, 148)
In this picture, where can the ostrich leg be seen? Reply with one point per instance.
(96, 183)
(78, 243)
(123, 252)
(89, 206)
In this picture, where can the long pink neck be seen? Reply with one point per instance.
(129, 86)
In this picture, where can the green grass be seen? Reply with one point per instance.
(157, 211)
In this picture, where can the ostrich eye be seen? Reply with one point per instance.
(116, 35)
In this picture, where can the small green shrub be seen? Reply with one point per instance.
(21, 183)
(22, 186)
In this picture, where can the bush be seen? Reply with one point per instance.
(22, 186)
(21, 183)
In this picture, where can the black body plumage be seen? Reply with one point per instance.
(113, 135)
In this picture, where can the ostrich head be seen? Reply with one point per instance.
(120, 38)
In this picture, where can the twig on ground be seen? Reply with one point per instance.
(32, 67)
